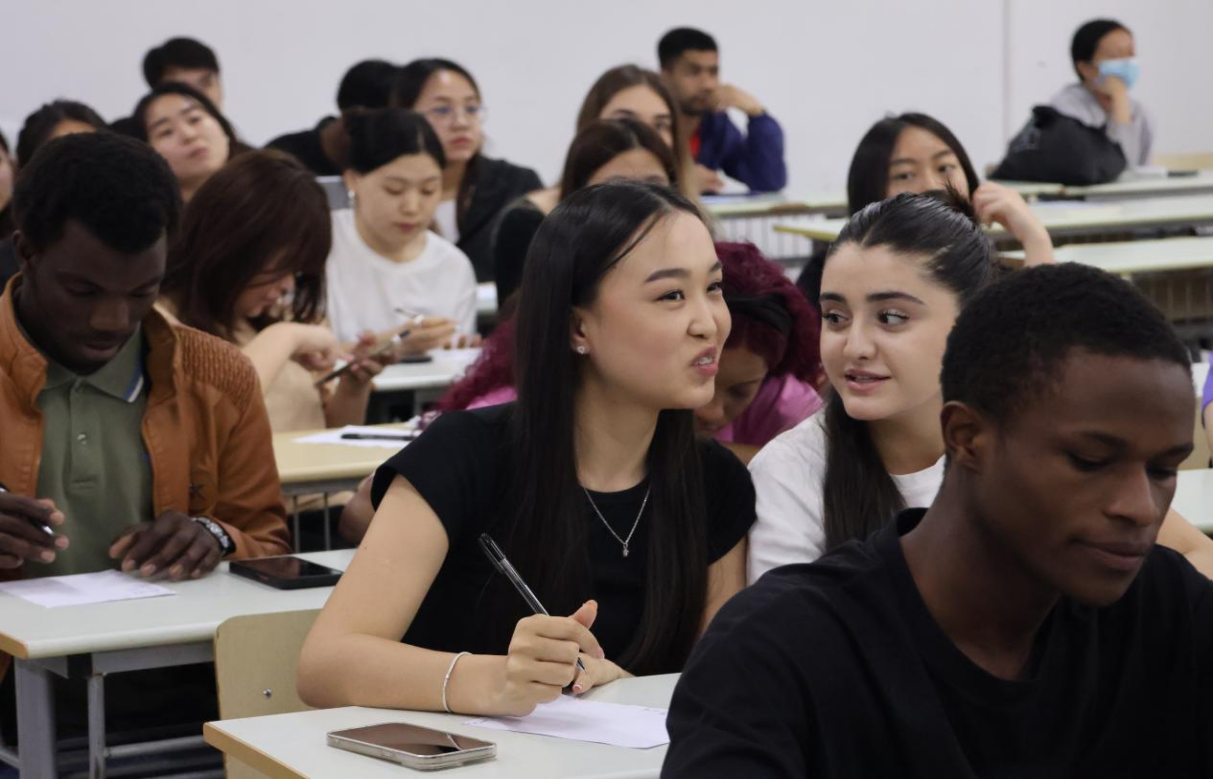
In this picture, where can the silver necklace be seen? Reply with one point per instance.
(611, 530)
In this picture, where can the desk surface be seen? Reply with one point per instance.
(1194, 497)
(1066, 217)
(1201, 183)
(446, 368)
(301, 462)
(1122, 257)
(31, 632)
(293, 745)
(775, 204)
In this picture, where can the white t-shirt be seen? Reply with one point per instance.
(365, 288)
(789, 474)
(448, 220)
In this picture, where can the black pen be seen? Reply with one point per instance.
(45, 528)
(378, 436)
(497, 558)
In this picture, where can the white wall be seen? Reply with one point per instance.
(826, 70)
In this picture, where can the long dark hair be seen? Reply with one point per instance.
(603, 140)
(410, 81)
(263, 211)
(41, 123)
(137, 126)
(577, 244)
(624, 77)
(940, 230)
(868, 178)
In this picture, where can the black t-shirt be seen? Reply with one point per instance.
(305, 146)
(837, 668)
(461, 466)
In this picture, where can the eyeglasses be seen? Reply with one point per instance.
(446, 113)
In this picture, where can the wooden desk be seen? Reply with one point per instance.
(293, 745)
(447, 367)
(1200, 184)
(305, 468)
(92, 641)
(726, 207)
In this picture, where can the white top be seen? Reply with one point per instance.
(294, 744)
(365, 288)
(448, 220)
(1135, 138)
(788, 475)
(192, 615)
(1194, 496)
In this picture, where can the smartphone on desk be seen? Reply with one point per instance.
(423, 749)
(286, 572)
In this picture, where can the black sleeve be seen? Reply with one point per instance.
(729, 496)
(453, 466)
(515, 230)
(739, 708)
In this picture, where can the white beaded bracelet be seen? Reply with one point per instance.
(447, 680)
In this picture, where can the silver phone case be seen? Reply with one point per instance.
(410, 760)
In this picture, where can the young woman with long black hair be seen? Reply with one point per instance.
(894, 282)
(593, 483)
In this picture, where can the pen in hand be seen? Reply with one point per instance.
(40, 525)
(499, 561)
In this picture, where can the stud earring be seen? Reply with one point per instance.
(352, 200)
(581, 350)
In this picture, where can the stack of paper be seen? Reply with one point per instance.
(635, 727)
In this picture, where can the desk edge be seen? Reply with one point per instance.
(246, 753)
(13, 647)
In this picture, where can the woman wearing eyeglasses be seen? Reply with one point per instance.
(474, 187)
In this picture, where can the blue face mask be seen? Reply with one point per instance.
(1127, 70)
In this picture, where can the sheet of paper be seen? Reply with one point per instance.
(83, 588)
(334, 436)
(635, 727)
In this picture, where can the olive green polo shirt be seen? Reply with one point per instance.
(94, 464)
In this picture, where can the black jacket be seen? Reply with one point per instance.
(497, 184)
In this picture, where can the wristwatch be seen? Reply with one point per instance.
(215, 529)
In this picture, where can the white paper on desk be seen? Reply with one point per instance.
(83, 588)
(635, 727)
(334, 437)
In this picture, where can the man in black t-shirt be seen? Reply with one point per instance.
(322, 149)
(1025, 624)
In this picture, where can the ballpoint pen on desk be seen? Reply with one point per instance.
(499, 561)
(40, 525)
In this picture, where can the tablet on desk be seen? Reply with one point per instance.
(286, 572)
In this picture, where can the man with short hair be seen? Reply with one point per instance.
(186, 61)
(144, 445)
(322, 150)
(1026, 624)
(690, 64)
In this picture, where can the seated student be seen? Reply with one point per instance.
(690, 63)
(247, 266)
(894, 282)
(386, 265)
(592, 483)
(53, 120)
(185, 61)
(475, 188)
(1104, 58)
(917, 153)
(602, 150)
(145, 445)
(1025, 624)
(323, 149)
(185, 128)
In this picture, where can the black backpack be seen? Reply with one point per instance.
(1058, 149)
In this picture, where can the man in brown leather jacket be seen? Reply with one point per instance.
(141, 444)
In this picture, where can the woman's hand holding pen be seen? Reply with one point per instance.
(432, 332)
(542, 661)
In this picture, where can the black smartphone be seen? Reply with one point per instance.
(286, 572)
(415, 358)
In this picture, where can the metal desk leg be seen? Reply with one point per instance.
(96, 726)
(35, 721)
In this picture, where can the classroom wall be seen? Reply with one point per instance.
(825, 70)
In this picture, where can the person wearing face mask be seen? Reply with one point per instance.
(188, 131)
(1104, 57)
